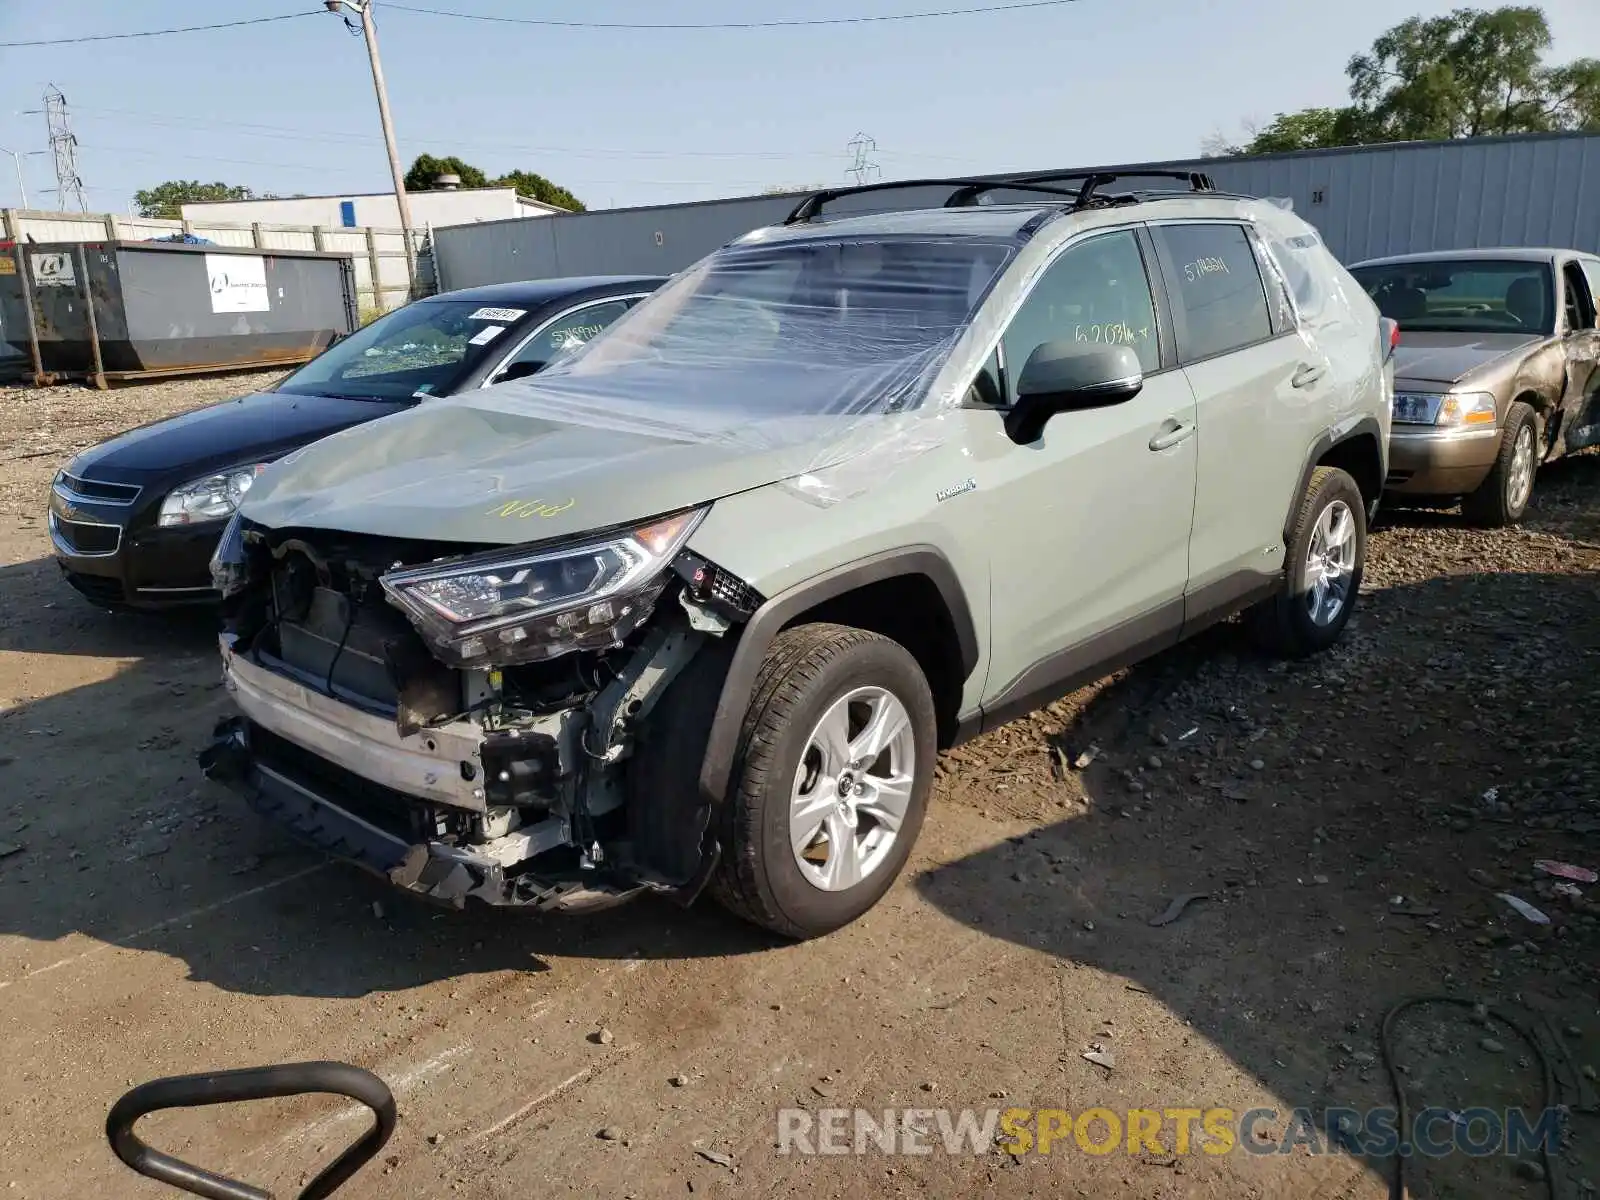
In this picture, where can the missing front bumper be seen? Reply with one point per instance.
(440, 872)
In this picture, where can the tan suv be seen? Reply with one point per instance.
(1497, 371)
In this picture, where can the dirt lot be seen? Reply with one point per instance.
(1350, 819)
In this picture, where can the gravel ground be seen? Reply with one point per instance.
(1350, 822)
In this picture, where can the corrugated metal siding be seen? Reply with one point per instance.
(1534, 190)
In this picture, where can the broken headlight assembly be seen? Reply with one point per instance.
(523, 605)
(230, 572)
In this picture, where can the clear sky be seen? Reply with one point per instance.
(637, 117)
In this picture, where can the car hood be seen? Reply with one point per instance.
(481, 470)
(255, 428)
(1449, 357)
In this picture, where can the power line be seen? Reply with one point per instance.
(146, 33)
(792, 22)
(343, 137)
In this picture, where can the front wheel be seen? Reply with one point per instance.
(831, 782)
(1327, 552)
(1502, 498)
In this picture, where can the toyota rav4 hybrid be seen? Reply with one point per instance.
(697, 607)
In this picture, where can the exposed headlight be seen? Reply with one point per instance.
(210, 498)
(512, 606)
(1444, 409)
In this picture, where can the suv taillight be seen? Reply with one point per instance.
(1391, 329)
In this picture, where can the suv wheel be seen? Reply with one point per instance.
(831, 781)
(1327, 553)
(1503, 497)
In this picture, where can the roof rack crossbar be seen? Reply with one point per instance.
(967, 190)
(812, 204)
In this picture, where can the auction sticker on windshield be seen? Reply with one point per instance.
(498, 314)
(486, 335)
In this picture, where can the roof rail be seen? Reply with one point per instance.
(812, 204)
(966, 190)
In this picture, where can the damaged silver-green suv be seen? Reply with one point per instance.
(698, 607)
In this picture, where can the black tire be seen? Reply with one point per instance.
(805, 670)
(1283, 626)
(1494, 505)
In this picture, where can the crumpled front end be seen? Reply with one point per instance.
(468, 724)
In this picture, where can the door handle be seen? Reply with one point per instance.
(1172, 432)
(1307, 373)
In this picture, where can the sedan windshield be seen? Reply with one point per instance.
(793, 327)
(422, 349)
(1463, 295)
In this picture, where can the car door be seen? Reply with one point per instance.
(565, 331)
(1580, 401)
(1261, 394)
(1088, 525)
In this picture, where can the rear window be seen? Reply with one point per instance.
(1466, 295)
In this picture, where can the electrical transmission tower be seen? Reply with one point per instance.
(64, 146)
(863, 167)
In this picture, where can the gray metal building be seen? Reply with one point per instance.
(1532, 189)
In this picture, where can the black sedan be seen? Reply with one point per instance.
(134, 520)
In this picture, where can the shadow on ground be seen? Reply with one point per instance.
(123, 841)
(1350, 820)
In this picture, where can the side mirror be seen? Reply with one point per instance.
(521, 370)
(1065, 375)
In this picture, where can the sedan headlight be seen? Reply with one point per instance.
(512, 606)
(210, 498)
(1448, 410)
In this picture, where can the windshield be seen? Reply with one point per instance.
(1465, 295)
(427, 348)
(791, 328)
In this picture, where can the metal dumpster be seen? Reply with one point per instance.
(164, 308)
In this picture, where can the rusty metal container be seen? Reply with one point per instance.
(165, 308)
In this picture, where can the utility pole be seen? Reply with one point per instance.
(16, 157)
(363, 9)
(64, 145)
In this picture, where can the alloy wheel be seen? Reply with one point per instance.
(1330, 563)
(852, 788)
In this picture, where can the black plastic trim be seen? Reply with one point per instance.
(1220, 599)
(1367, 425)
(771, 617)
(1069, 669)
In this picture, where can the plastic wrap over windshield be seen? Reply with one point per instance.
(829, 344)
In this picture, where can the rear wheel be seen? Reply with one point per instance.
(1327, 552)
(1503, 497)
(831, 781)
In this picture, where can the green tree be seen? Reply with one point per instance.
(166, 200)
(537, 187)
(426, 170)
(1469, 73)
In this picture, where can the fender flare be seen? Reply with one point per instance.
(1366, 425)
(763, 627)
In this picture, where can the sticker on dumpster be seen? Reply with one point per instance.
(8, 265)
(238, 283)
(487, 334)
(498, 314)
(54, 270)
